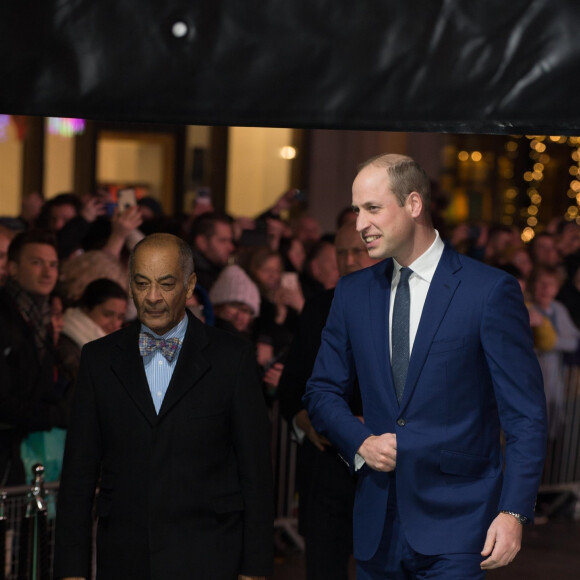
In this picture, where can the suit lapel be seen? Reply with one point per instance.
(441, 291)
(127, 364)
(191, 365)
(380, 297)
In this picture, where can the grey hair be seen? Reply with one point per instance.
(161, 240)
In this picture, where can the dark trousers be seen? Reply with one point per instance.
(326, 513)
(11, 466)
(396, 560)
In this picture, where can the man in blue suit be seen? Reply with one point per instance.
(441, 371)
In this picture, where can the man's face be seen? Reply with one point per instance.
(523, 262)
(36, 271)
(4, 243)
(157, 287)
(568, 242)
(545, 289)
(308, 230)
(60, 215)
(219, 247)
(501, 242)
(351, 253)
(324, 267)
(385, 227)
(545, 251)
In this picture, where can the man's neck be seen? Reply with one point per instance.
(15, 288)
(422, 241)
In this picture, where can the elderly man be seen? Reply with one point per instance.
(169, 420)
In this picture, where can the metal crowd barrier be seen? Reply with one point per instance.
(27, 529)
(560, 489)
(284, 450)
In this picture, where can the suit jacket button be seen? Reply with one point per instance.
(401, 422)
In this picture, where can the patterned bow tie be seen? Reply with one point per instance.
(148, 344)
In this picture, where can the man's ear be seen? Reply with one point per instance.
(200, 242)
(191, 284)
(415, 204)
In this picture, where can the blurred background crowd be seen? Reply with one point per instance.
(64, 282)
(254, 275)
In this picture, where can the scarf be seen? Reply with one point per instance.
(79, 327)
(36, 312)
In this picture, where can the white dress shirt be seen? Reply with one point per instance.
(157, 368)
(419, 281)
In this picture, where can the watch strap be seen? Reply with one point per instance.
(521, 519)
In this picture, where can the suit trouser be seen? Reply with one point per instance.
(327, 515)
(395, 559)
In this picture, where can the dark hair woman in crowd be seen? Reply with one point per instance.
(100, 311)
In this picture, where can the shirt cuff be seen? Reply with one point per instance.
(299, 434)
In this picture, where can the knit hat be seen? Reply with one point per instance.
(234, 285)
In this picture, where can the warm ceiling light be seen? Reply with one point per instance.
(288, 152)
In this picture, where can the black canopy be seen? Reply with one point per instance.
(419, 65)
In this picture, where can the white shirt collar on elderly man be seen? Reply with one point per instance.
(157, 368)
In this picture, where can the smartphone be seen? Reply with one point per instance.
(300, 195)
(203, 196)
(290, 281)
(126, 198)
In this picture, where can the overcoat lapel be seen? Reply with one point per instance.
(127, 364)
(191, 365)
(441, 291)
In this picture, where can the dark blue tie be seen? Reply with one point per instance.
(400, 333)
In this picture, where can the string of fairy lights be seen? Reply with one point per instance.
(572, 213)
(538, 153)
(533, 178)
(537, 149)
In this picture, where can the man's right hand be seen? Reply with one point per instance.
(303, 422)
(380, 451)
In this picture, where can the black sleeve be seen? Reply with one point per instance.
(302, 354)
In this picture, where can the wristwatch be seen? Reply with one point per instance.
(522, 519)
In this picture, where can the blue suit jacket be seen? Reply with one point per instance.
(472, 369)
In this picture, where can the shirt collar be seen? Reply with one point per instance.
(426, 264)
(176, 332)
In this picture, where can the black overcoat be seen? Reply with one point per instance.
(183, 494)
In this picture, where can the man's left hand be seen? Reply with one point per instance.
(503, 542)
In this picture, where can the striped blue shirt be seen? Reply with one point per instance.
(157, 368)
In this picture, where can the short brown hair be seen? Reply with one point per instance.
(35, 236)
(405, 176)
